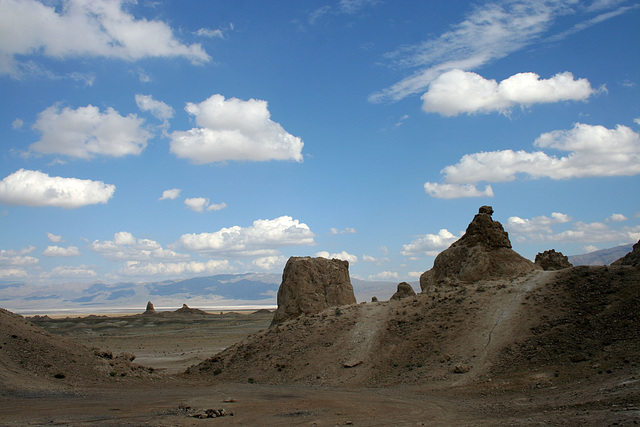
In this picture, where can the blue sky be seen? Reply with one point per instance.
(152, 140)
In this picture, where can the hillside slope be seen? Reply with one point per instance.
(546, 326)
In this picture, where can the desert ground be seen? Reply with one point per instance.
(429, 395)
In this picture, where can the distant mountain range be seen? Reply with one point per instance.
(601, 257)
(223, 291)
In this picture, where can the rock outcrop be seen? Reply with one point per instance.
(483, 253)
(404, 291)
(552, 260)
(150, 309)
(186, 310)
(632, 258)
(310, 285)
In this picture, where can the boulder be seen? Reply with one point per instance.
(404, 290)
(632, 258)
(310, 285)
(482, 253)
(552, 260)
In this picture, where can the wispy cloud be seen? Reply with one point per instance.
(490, 32)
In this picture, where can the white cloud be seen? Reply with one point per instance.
(125, 247)
(171, 194)
(233, 129)
(491, 31)
(415, 274)
(81, 271)
(34, 188)
(270, 262)
(80, 28)
(539, 224)
(12, 273)
(594, 151)
(637, 121)
(196, 204)
(457, 92)
(145, 269)
(616, 217)
(456, 191)
(347, 230)
(260, 239)
(542, 229)
(158, 109)
(17, 124)
(54, 239)
(589, 248)
(199, 204)
(86, 132)
(342, 255)
(384, 275)
(19, 258)
(69, 251)
(429, 244)
(378, 261)
(207, 32)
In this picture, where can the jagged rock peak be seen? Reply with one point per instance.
(552, 260)
(310, 285)
(482, 253)
(632, 258)
(483, 230)
(404, 291)
(150, 308)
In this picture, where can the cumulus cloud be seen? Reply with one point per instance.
(543, 229)
(12, 273)
(125, 247)
(158, 109)
(457, 92)
(259, 239)
(344, 255)
(429, 244)
(616, 217)
(81, 271)
(171, 194)
(17, 258)
(86, 132)
(35, 188)
(200, 204)
(17, 124)
(456, 191)
(53, 238)
(347, 230)
(270, 262)
(99, 28)
(55, 251)
(384, 275)
(594, 151)
(233, 129)
(146, 269)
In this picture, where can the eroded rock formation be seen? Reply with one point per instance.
(552, 260)
(482, 253)
(310, 285)
(404, 291)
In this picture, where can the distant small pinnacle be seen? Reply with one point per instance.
(150, 308)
